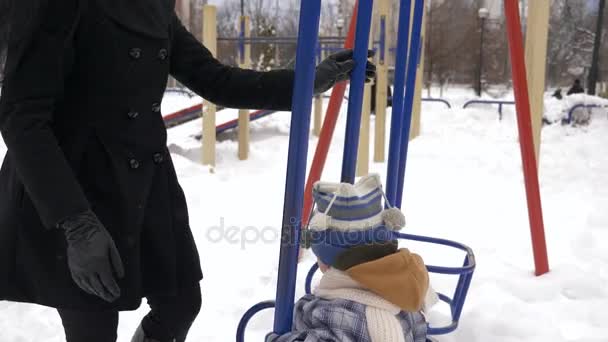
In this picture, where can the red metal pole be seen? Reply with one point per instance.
(329, 126)
(526, 140)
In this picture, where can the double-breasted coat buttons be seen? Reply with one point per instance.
(132, 114)
(156, 107)
(135, 53)
(163, 54)
(158, 158)
(134, 163)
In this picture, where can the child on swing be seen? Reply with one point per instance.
(371, 291)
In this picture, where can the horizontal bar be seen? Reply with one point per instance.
(235, 123)
(294, 39)
(588, 106)
(240, 331)
(429, 99)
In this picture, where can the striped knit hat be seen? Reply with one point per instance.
(351, 221)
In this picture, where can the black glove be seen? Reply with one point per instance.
(92, 256)
(337, 68)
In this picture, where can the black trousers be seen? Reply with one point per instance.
(169, 319)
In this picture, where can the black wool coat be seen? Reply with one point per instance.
(80, 115)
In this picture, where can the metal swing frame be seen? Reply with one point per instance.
(298, 150)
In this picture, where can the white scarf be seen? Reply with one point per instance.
(381, 315)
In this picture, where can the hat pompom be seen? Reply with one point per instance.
(319, 221)
(393, 218)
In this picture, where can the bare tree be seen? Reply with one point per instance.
(570, 41)
(453, 46)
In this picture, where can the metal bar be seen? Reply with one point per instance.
(461, 293)
(241, 40)
(235, 123)
(571, 111)
(329, 126)
(499, 103)
(357, 85)
(273, 39)
(240, 331)
(310, 11)
(412, 71)
(309, 277)
(500, 111)
(382, 41)
(524, 121)
(464, 281)
(469, 103)
(398, 98)
(446, 102)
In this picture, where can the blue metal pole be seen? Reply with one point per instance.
(357, 86)
(242, 41)
(392, 171)
(310, 11)
(382, 43)
(412, 69)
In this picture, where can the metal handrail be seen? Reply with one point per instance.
(254, 310)
(500, 104)
(433, 99)
(465, 272)
(568, 120)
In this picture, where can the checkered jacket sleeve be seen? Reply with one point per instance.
(319, 320)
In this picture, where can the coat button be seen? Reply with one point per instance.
(132, 114)
(156, 107)
(163, 54)
(158, 158)
(135, 53)
(134, 163)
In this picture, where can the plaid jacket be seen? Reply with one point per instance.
(321, 320)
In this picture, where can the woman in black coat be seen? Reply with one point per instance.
(92, 218)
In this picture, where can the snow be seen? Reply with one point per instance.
(556, 110)
(464, 182)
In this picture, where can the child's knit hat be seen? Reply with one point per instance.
(350, 225)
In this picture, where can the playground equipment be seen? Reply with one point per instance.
(324, 45)
(526, 137)
(445, 102)
(494, 102)
(209, 128)
(568, 120)
(537, 37)
(464, 273)
(298, 146)
(195, 112)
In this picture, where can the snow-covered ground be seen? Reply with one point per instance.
(464, 182)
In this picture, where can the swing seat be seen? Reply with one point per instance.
(456, 302)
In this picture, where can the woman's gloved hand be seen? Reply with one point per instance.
(92, 256)
(337, 68)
